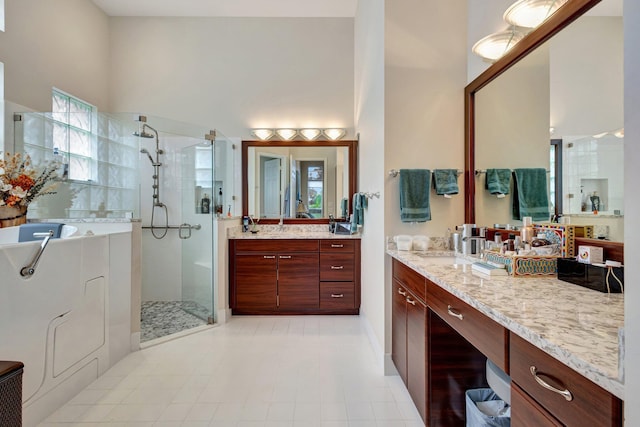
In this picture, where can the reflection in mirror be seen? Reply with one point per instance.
(570, 89)
(298, 179)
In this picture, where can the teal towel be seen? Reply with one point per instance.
(498, 181)
(415, 185)
(344, 206)
(359, 203)
(530, 194)
(445, 181)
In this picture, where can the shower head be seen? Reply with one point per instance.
(144, 151)
(143, 134)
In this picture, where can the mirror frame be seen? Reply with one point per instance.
(564, 16)
(353, 173)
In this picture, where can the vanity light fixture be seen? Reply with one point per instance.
(262, 134)
(286, 134)
(619, 133)
(494, 46)
(334, 134)
(531, 13)
(600, 135)
(310, 134)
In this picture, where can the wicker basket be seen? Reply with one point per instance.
(10, 216)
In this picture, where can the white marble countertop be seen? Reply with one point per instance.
(577, 326)
(320, 231)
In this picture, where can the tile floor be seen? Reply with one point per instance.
(162, 318)
(253, 371)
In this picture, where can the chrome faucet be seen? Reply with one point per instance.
(254, 227)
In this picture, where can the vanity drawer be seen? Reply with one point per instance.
(337, 295)
(589, 405)
(276, 245)
(411, 279)
(337, 267)
(335, 245)
(483, 333)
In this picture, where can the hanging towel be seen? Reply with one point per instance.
(415, 185)
(344, 206)
(445, 181)
(498, 181)
(530, 194)
(358, 212)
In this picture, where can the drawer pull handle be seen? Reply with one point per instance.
(453, 313)
(336, 246)
(285, 256)
(401, 292)
(269, 257)
(337, 267)
(566, 393)
(410, 301)
(337, 295)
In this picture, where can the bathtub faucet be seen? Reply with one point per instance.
(29, 270)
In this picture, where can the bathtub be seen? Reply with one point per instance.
(59, 321)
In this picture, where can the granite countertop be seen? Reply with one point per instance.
(314, 231)
(578, 326)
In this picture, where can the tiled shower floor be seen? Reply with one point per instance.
(162, 318)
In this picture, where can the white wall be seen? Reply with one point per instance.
(424, 104)
(235, 74)
(632, 206)
(370, 123)
(70, 52)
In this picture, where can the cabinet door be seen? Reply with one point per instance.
(256, 282)
(298, 283)
(399, 329)
(416, 352)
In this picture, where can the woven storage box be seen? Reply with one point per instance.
(565, 234)
(526, 265)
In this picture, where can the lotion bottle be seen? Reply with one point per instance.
(527, 230)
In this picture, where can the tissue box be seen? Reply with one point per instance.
(590, 276)
(590, 254)
(526, 265)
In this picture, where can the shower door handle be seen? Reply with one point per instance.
(187, 227)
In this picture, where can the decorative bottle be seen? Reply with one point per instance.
(205, 204)
(219, 202)
(527, 230)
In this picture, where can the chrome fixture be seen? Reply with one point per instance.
(156, 177)
(30, 269)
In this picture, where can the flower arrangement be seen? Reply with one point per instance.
(21, 182)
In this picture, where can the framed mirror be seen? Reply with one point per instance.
(555, 102)
(302, 182)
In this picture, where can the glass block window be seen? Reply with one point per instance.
(73, 124)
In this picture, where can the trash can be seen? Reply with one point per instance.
(486, 409)
(11, 394)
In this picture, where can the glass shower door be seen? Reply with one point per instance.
(196, 232)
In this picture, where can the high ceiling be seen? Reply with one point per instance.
(230, 8)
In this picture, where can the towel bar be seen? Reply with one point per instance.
(395, 172)
(480, 172)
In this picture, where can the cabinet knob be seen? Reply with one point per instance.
(337, 267)
(337, 295)
(285, 256)
(401, 292)
(453, 313)
(410, 301)
(333, 245)
(565, 393)
(269, 257)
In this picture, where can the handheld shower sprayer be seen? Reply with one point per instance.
(145, 151)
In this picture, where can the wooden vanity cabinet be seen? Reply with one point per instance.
(408, 350)
(573, 400)
(339, 274)
(294, 276)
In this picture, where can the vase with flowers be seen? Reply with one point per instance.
(20, 184)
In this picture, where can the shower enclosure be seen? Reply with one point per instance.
(116, 164)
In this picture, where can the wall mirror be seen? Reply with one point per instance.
(298, 181)
(555, 101)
